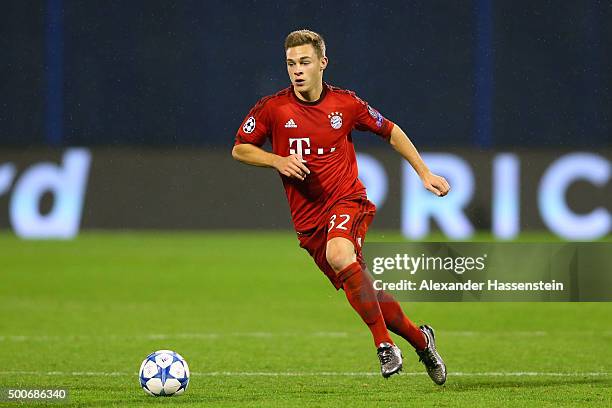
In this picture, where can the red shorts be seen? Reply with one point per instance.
(349, 219)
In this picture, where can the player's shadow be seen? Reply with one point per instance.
(457, 385)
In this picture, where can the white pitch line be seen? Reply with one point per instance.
(164, 336)
(368, 374)
(263, 335)
(310, 374)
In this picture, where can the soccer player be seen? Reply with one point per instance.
(309, 126)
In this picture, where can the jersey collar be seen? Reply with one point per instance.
(313, 103)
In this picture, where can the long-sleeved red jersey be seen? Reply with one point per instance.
(321, 133)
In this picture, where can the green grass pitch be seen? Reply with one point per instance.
(259, 326)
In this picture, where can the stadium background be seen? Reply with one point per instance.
(156, 90)
(116, 125)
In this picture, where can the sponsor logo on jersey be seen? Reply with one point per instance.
(290, 124)
(376, 116)
(249, 125)
(301, 146)
(335, 120)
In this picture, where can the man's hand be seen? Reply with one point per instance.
(291, 166)
(436, 184)
(400, 142)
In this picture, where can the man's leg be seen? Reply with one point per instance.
(422, 339)
(397, 321)
(340, 254)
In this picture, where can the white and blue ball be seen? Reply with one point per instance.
(164, 373)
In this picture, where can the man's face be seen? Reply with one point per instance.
(305, 68)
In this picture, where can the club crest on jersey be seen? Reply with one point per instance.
(335, 120)
(376, 116)
(249, 125)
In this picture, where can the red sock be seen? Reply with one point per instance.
(399, 323)
(362, 296)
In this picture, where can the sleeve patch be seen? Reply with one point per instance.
(249, 125)
(376, 116)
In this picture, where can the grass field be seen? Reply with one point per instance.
(261, 326)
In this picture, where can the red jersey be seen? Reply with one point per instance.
(321, 133)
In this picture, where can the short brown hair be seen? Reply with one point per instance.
(302, 37)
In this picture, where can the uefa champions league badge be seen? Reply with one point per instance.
(335, 120)
(249, 125)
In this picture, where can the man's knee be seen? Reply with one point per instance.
(340, 253)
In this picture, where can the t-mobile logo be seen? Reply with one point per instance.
(301, 146)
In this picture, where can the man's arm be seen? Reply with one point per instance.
(402, 144)
(290, 166)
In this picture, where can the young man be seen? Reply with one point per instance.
(309, 126)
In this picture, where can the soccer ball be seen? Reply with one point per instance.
(164, 373)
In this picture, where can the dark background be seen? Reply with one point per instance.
(478, 73)
(197, 188)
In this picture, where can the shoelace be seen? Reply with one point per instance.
(385, 355)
